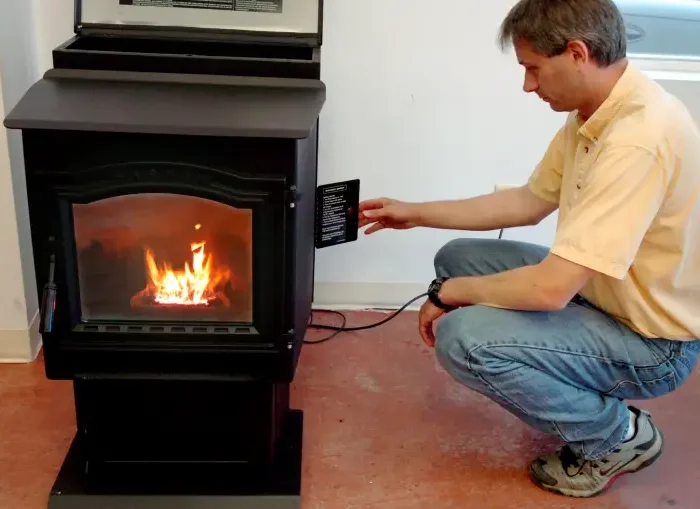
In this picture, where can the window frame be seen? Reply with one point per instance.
(686, 68)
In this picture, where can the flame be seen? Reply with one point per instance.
(197, 284)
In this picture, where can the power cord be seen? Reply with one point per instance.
(343, 328)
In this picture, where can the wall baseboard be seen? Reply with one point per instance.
(20, 346)
(23, 346)
(367, 295)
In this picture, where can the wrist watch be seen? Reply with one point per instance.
(434, 291)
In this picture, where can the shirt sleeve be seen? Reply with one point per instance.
(545, 181)
(609, 216)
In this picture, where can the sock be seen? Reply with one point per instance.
(632, 427)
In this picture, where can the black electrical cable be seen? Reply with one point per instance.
(343, 328)
(338, 330)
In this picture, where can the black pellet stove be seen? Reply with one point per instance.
(171, 166)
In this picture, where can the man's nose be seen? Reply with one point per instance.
(530, 85)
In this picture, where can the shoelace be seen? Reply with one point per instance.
(569, 459)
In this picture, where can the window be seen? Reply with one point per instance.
(147, 257)
(662, 28)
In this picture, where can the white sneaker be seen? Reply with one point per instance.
(566, 474)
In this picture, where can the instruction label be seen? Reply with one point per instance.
(271, 6)
(259, 5)
(337, 213)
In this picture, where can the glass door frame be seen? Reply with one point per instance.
(265, 196)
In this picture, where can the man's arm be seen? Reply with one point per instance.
(547, 286)
(503, 209)
(600, 235)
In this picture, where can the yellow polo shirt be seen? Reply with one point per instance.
(627, 182)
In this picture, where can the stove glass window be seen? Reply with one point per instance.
(164, 257)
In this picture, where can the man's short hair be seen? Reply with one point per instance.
(549, 25)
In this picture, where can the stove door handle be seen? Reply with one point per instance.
(48, 300)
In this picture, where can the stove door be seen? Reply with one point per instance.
(173, 253)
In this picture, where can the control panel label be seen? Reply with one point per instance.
(259, 5)
(337, 214)
(271, 6)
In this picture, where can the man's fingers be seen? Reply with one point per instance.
(428, 336)
(364, 221)
(375, 203)
(431, 336)
(426, 332)
(425, 328)
(374, 228)
(374, 213)
(423, 334)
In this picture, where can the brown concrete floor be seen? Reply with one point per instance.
(385, 428)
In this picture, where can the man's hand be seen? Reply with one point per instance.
(383, 213)
(429, 313)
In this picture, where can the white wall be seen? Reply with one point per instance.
(688, 90)
(18, 298)
(54, 21)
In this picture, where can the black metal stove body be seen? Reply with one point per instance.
(171, 178)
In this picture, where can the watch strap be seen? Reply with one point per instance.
(434, 291)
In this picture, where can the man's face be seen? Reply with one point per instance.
(556, 80)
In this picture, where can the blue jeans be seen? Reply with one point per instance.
(564, 372)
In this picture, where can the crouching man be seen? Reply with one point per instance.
(562, 336)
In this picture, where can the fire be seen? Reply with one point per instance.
(197, 284)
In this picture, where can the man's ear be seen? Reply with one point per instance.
(579, 51)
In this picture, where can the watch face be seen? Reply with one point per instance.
(437, 283)
(435, 290)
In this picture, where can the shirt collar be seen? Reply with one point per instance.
(595, 125)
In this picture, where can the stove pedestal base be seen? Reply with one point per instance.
(81, 485)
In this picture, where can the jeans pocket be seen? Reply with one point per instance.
(646, 383)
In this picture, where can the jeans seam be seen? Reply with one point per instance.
(468, 359)
(489, 384)
(683, 357)
(608, 451)
(670, 377)
(683, 351)
(569, 352)
(687, 363)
